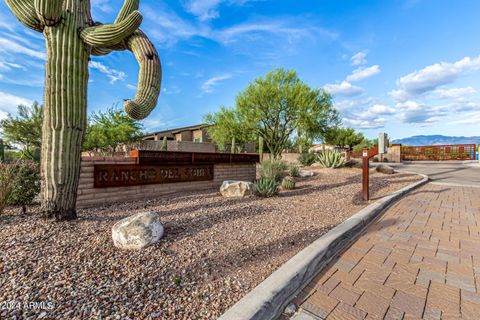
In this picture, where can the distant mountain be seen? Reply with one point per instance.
(436, 140)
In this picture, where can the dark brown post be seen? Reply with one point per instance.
(366, 155)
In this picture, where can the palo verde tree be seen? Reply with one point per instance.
(280, 105)
(71, 38)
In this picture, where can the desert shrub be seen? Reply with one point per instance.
(385, 160)
(288, 183)
(273, 169)
(7, 183)
(294, 170)
(330, 159)
(26, 183)
(265, 187)
(375, 160)
(306, 159)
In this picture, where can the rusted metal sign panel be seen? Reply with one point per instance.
(178, 157)
(123, 175)
(439, 152)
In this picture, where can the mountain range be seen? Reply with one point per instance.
(427, 140)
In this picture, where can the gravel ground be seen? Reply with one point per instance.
(214, 252)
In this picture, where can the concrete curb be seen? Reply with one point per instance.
(269, 298)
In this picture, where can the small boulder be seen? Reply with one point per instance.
(306, 174)
(383, 168)
(234, 189)
(137, 231)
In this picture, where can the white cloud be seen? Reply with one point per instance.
(171, 90)
(171, 28)
(208, 9)
(12, 47)
(363, 73)
(103, 5)
(131, 86)
(209, 85)
(381, 109)
(358, 59)
(111, 73)
(432, 77)
(454, 93)
(345, 88)
(364, 123)
(9, 102)
(7, 66)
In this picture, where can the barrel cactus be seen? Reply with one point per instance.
(288, 183)
(330, 159)
(265, 187)
(71, 38)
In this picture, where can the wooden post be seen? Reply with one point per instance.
(366, 155)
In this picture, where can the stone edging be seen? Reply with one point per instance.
(269, 298)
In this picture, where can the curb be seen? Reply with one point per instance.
(269, 298)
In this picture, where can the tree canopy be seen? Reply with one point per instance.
(107, 130)
(344, 137)
(24, 130)
(277, 107)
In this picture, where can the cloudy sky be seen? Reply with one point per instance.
(402, 66)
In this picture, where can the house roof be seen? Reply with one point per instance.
(177, 130)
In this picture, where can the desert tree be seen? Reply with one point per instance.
(71, 37)
(280, 105)
(344, 137)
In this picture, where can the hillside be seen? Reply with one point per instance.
(425, 140)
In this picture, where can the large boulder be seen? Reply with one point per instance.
(234, 189)
(137, 231)
(383, 168)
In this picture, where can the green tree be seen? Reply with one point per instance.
(24, 130)
(280, 104)
(344, 137)
(227, 127)
(107, 130)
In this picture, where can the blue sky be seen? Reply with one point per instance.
(405, 67)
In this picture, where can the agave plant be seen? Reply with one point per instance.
(330, 159)
(288, 183)
(265, 187)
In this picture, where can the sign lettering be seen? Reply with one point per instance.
(123, 175)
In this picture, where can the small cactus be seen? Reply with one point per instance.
(260, 148)
(288, 184)
(330, 159)
(294, 170)
(165, 144)
(265, 187)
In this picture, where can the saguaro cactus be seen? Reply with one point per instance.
(71, 37)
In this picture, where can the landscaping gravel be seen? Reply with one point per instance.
(214, 251)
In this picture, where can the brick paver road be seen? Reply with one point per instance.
(420, 260)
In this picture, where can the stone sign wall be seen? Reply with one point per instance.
(129, 190)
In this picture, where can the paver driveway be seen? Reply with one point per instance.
(421, 259)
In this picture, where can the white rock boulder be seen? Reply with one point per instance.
(234, 189)
(306, 174)
(137, 231)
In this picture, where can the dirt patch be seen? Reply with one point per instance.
(215, 250)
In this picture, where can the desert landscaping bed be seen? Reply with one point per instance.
(214, 250)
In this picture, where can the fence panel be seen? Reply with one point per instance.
(439, 153)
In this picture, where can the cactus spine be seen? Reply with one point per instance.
(71, 37)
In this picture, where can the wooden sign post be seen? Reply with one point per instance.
(366, 155)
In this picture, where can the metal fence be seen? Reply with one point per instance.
(439, 153)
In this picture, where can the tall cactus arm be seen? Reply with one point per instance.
(149, 76)
(128, 7)
(24, 11)
(111, 34)
(49, 11)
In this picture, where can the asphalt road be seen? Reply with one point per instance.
(455, 173)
